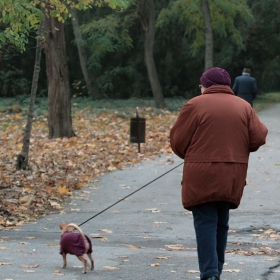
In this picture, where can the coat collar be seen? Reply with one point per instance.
(218, 89)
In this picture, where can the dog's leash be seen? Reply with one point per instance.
(130, 194)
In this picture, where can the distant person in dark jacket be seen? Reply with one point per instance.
(245, 86)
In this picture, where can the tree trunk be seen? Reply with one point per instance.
(147, 16)
(22, 158)
(93, 90)
(208, 35)
(59, 93)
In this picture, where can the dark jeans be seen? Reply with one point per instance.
(211, 228)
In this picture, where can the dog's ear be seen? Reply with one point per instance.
(62, 225)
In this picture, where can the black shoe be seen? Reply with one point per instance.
(212, 278)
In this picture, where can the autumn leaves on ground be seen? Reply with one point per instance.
(59, 166)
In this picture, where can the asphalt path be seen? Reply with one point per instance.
(149, 235)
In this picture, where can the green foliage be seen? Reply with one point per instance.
(246, 34)
(16, 72)
(12, 82)
(17, 19)
(109, 36)
(224, 16)
(262, 45)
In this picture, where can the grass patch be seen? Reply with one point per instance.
(125, 107)
(266, 101)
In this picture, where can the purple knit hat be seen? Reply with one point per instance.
(215, 76)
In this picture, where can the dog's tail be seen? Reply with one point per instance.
(77, 228)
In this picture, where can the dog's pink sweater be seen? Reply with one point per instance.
(74, 244)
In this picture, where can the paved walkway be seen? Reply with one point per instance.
(149, 235)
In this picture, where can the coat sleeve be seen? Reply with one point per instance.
(257, 132)
(183, 130)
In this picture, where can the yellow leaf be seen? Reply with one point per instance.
(110, 267)
(192, 271)
(6, 179)
(177, 247)
(155, 264)
(17, 116)
(27, 189)
(63, 190)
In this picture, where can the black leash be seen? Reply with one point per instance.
(129, 195)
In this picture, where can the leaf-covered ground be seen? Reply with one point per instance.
(59, 166)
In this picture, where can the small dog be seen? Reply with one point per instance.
(76, 244)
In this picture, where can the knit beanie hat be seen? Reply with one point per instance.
(215, 76)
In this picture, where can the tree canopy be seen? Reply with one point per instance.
(246, 34)
(19, 17)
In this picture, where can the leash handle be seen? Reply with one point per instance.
(129, 195)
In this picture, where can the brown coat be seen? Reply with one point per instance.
(214, 134)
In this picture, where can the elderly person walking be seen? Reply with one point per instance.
(245, 86)
(214, 134)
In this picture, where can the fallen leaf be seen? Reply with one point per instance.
(29, 266)
(54, 204)
(162, 257)
(231, 270)
(58, 273)
(53, 244)
(131, 246)
(96, 236)
(106, 230)
(110, 267)
(153, 210)
(63, 190)
(176, 247)
(192, 271)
